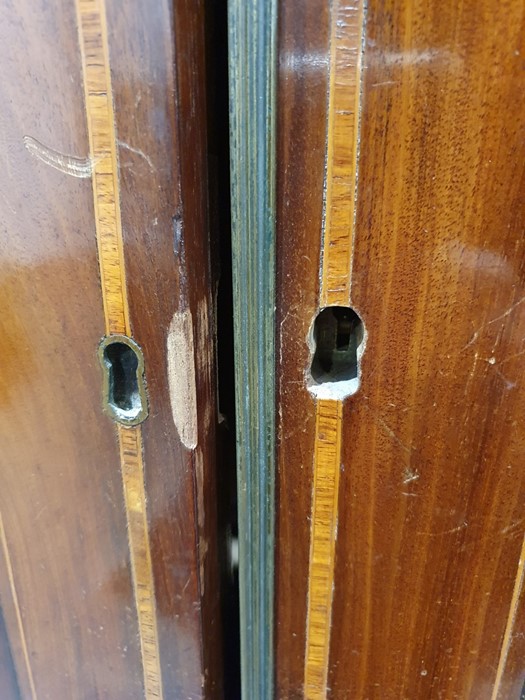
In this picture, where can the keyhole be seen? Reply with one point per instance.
(124, 391)
(338, 338)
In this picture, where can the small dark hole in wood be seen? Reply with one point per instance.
(338, 333)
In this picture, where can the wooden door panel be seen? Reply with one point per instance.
(106, 591)
(66, 583)
(304, 35)
(426, 527)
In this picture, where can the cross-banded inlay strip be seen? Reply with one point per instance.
(103, 153)
(327, 464)
(347, 26)
(342, 150)
(106, 197)
(511, 620)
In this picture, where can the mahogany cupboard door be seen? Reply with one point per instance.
(400, 361)
(108, 535)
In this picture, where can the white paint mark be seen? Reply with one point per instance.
(337, 391)
(181, 377)
(70, 165)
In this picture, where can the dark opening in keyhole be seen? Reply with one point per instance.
(338, 334)
(124, 389)
(123, 384)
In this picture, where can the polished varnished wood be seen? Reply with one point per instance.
(69, 599)
(96, 73)
(304, 40)
(427, 582)
(164, 211)
(162, 155)
(70, 583)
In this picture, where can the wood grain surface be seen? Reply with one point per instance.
(96, 75)
(304, 34)
(67, 592)
(428, 599)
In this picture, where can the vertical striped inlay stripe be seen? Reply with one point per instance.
(327, 464)
(103, 153)
(342, 150)
(347, 22)
(511, 619)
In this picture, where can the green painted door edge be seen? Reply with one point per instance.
(252, 29)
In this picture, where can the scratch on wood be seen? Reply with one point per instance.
(70, 165)
(512, 357)
(472, 340)
(506, 313)
(385, 82)
(512, 527)
(445, 532)
(137, 151)
(181, 377)
(410, 475)
(388, 431)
